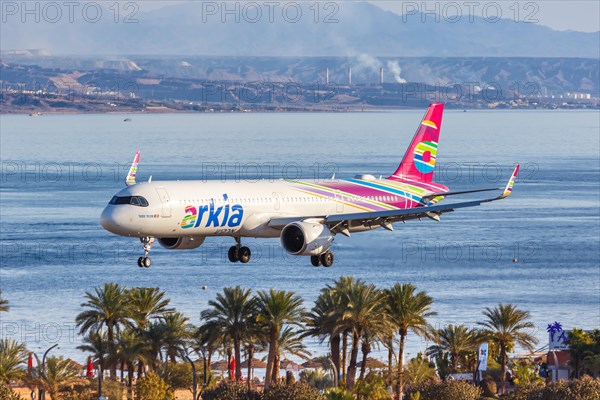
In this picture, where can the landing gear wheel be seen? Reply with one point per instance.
(233, 254)
(145, 262)
(244, 254)
(315, 261)
(327, 259)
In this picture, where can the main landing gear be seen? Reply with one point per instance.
(239, 253)
(325, 259)
(146, 262)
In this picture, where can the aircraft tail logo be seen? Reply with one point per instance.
(418, 163)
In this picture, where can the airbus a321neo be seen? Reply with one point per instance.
(305, 214)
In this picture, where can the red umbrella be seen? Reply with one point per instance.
(30, 362)
(89, 371)
(232, 366)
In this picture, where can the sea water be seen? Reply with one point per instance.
(538, 249)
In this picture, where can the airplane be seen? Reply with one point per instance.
(305, 214)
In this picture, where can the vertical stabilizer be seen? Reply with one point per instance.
(130, 180)
(418, 163)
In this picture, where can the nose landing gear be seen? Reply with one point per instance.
(239, 253)
(145, 261)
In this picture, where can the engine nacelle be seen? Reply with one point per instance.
(306, 238)
(181, 243)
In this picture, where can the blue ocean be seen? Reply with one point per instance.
(538, 249)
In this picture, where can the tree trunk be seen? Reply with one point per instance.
(353, 356)
(400, 383)
(140, 370)
(454, 363)
(111, 350)
(238, 358)
(229, 363)
(344, 355)
(276, 364)
(130, 380)
(334, 343)
(366, 349)
(270, 359)
(503, 368)
(250, 356)
(390, 357)
(100, 378)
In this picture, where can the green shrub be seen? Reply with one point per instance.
(297, 391)
(447, 390)
(372, 388)
(112, 389)
(489, 386)
(152, 387)
(316, 378)
(582, 389)
(338, 394)
(231, 391)
(85, 390)
(178, 375)
(6, 392)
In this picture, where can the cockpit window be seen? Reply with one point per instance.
(133, 200)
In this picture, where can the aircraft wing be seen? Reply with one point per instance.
(339, 222)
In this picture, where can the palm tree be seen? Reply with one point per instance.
(230, 313)
(12, 356)
(96, 343)
(276, 309)
(418, 371)
(129, 349)
(456, 341)
(341, 286)
(108, 307)
(363, 316)
(3, 303)
(408, 311)
(506, 326)
(146, 304)
(323, 321)
(153, 336)
(58, 373)
(175, 334)
(290, 343)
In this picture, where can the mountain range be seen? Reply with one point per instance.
(349, 29)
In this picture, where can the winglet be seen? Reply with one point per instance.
(130, 180)
(509, 186)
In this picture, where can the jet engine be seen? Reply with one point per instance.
(181, 243)
(306, 238)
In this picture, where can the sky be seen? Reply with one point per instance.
(577, 15)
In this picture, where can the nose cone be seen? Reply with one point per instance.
(107, 219)
(112, 220)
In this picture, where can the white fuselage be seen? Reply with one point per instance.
(215, 208)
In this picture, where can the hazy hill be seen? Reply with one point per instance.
(533, 76)
(183, 29)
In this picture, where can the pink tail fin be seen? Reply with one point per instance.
(418, 163)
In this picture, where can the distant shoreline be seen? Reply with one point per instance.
(288, 111)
